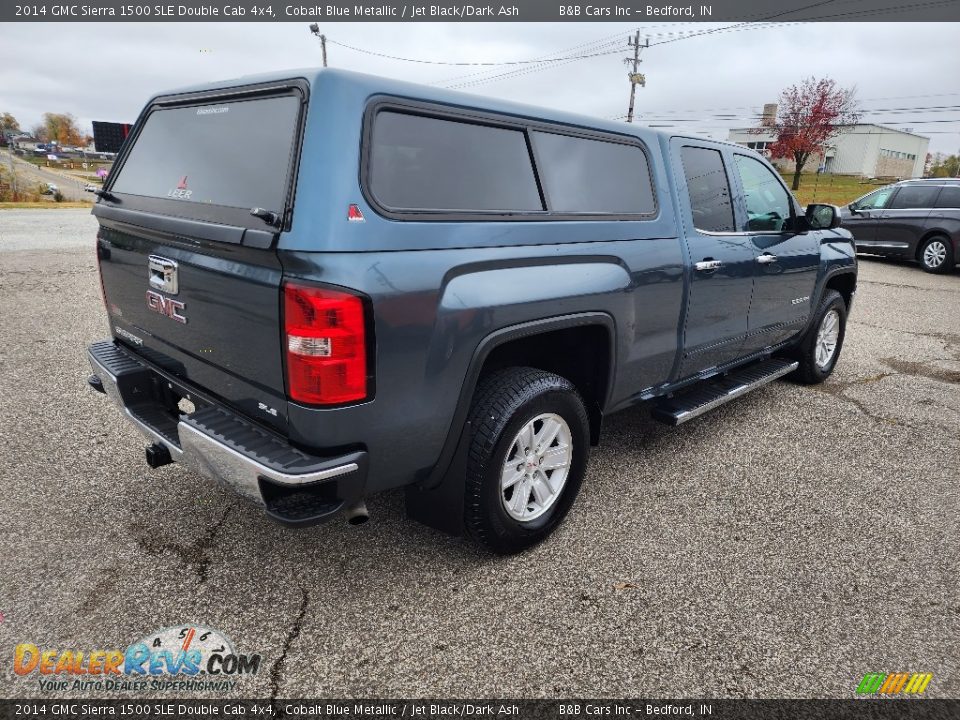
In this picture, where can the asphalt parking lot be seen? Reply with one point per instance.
(781, 546)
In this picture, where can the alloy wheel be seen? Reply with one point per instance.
(934, 254)
(827, 337)
(536, 468)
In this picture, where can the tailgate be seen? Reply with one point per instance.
(190, 276)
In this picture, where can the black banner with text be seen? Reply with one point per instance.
(517, 11)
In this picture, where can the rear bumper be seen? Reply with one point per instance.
(291, 486)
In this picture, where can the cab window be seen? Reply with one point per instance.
(768, 203)
(708, 189)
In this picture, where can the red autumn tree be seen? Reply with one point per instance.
(809, 115)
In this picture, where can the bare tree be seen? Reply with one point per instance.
(40, 133)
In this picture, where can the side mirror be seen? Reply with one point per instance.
(822, 216)
(852, 207)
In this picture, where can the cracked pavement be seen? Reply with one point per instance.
(780, 546)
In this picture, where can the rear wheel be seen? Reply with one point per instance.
(936, 255)
(819, 348)
(527, 457)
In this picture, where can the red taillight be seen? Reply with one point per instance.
(326, 345)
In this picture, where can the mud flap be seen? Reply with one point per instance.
(441, 507)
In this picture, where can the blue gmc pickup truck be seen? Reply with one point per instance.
(321, 285)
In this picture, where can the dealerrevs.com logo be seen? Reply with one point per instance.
(181, 658)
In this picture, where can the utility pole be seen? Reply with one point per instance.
(635, 77)
(315, 29)
(13, 171)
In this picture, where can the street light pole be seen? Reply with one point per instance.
(315, 29)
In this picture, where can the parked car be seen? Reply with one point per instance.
(914, 219)
(89, 187)
(425, 289)
(49, 189)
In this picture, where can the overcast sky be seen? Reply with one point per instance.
(905, 74)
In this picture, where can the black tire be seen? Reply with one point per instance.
(810, 372)
(946, 265)
(504, 402)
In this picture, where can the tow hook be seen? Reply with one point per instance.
(158, 455)
(96, 383)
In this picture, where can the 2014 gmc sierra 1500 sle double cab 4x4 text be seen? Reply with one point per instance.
(322, 285)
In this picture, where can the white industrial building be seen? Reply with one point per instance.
(863, 149)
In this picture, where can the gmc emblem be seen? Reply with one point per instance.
(166, 306)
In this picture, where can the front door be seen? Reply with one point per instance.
(785, 261)
(720, 268)
(862, 216)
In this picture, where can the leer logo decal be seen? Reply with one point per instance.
(180, 192)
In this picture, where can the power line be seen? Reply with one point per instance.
(704, 128)
(758, 115)
(748, 23)
(543, 63)
(743, 26)
(559, 62)
(484, 63)
(595, 45)
(867, 116)
(864, 114)
(526, 71)
(693, 120)
(596, 49)
(453, 63)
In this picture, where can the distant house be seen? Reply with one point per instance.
(25, 142)
(864, 149)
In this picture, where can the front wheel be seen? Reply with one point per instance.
(527, 457)
(819, 348)
(936, 256)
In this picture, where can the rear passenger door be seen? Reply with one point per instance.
(785, 261)
(720, 260)
(902, 223)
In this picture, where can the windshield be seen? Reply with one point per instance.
(233, 154)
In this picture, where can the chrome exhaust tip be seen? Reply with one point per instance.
(357, 513)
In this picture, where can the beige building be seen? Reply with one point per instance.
(864, 149)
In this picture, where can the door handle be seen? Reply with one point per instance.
(706, 265)
(766, 259)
